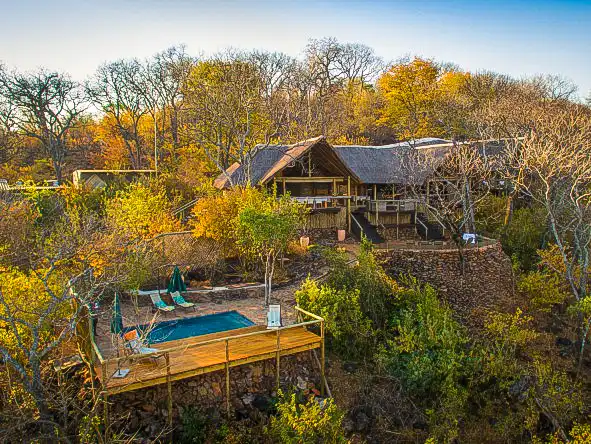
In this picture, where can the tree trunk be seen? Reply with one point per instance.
(509, 210)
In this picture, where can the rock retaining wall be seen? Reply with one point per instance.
(486, 281)
(146, 410)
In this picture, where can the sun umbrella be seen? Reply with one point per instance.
(117, 318)
(176, 282)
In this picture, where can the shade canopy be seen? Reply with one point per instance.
(176, 282)
(117, 318)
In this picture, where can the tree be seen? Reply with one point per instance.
(168, 72)
(449, 184)
(234, 106)
(141, 212)
(411, 92)
(265, 232)
(43, 105)
(553, 159)
(119, 90)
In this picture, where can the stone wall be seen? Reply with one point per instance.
(403, 233)
(486, 281)
(251, 385)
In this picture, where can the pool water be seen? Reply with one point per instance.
(195, 326)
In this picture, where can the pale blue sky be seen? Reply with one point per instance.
(519, 38)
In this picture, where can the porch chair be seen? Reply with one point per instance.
(179, 300)
(134, 344)
(274, 316)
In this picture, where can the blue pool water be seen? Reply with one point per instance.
(195, 326)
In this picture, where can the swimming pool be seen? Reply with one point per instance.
(195, 326)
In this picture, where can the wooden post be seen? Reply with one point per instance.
(105, 399)
(278, 355)
(322, 377)
(397, 220)
(169, 388)
(227, 378)
(349, 203)
(334, 187)
(375, 200)
(284, 186)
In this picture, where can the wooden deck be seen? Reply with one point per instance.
(186, 359)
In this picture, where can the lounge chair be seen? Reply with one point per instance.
(274, 316)
(179, 300)
(156, 300)
(135, 345)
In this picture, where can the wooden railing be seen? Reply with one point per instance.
(104, 363)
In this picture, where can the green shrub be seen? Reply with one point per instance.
(195, 425)
(311, 422)
(429, 355)
(349, 329)
(377, 290)
(525, 235)
(542, 289)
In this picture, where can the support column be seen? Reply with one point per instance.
(278, 357)
(227, 378)
(169, 388)
(349, 203)
(105, 399)
(322, 360)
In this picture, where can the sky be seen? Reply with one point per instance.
(520, 38)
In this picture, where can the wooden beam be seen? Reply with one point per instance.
(105, 393)
(313, 179)
(349, 204)
(278, 359)
(227, 378)
(322, 359)
(169, 388)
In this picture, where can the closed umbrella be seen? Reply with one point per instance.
(176, 282)
(117, 329)
(117, 318)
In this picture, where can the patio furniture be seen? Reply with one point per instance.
(274, 316)
(179, 300)
(135, 345)
(159, 304)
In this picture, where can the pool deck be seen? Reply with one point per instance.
(186, 359)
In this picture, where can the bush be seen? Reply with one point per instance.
(542, 289)
(141, 212)
(311, 422)
(429, 355)
(195, 425)
(378, 292)
(349, 329)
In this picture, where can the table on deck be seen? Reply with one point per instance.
(191, 361)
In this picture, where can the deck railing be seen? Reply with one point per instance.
(227, 340)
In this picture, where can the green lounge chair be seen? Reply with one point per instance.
(180, 300)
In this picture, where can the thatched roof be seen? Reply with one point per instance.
(382, 164)
(366, 164)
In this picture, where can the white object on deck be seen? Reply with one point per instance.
(274, 316)
(469, 238)
(135, 344)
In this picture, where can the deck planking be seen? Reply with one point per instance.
(188, 362)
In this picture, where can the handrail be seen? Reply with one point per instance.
(185, 206)
(358, 224)
(97, 351)
(424, 226)
(211, 341)
(312, 315)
